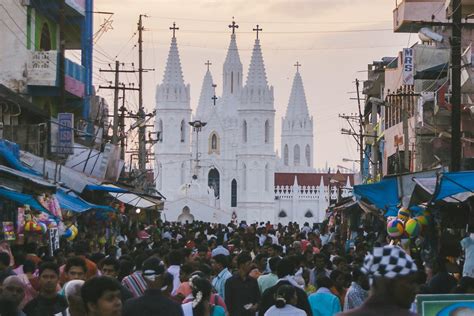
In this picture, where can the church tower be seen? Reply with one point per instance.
(232, 69)
(173, 112)
(297, 130)
(256, 154)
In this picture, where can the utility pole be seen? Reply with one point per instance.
(122, 125)
(142, 155)
(406, 139)
(62, 57)
(361, 135)
(456, 86)
(116, 100)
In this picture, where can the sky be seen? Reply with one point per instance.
(333, 40)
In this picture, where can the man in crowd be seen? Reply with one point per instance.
(152, 303)
(220, 249)
(110, 268)
(48, 301)
(268, 280)
(13, 290)
(135, 282)
(75, 269)
(175, 259)
(5, 270)
(241, 291)
(219, 265)
(358, 291)
(101, 296)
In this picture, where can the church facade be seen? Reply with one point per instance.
(219, 163)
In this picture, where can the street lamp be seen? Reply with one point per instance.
(350, 160)
(197, 127)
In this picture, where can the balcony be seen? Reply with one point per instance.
(409, 15)
(43, 71)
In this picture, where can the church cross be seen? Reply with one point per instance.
(208, 63)
(257, 30)
(233, 26)
(174, 28)
(297, 65)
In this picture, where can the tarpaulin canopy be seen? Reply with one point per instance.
(22, 198)
(433, 73)
(134, 199)
(453, 183)
(29, 177)
(9, 153)
(383, 194)
(72, 202)
(105, 188)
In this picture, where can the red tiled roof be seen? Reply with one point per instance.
(311, 179)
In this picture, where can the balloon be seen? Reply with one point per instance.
(30, 226)
(43, 227)
(74, 232)
(423, 220)
(404, 214)
(395, 228)
(412, 227)
(67, 233)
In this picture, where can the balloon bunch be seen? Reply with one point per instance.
(406, 225)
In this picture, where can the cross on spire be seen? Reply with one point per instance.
(208, 63)
(174, 29)
(297, 65)
(233, 26)
(257, 30)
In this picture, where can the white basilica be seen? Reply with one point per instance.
(228, 169)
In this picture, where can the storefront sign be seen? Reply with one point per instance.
(66, 133)
(42, 68)
(408, 66)
(8, 231)
(53, 240)
(445, 304)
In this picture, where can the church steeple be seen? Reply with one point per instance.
(207, 93)
(232, 70)
(297, 106)
(257, 76)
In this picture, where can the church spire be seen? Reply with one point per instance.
(297, 106)
(232, 72)
(257, 76)
(173, 72)
(207, 93)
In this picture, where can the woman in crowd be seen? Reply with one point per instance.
(201, 304)
(285, 303)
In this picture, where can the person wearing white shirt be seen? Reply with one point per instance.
(285, 300)
(174, 267)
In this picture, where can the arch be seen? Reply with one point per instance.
(267, 178)
(213, 181)
(45, 39)
(244, 131)
(296, 155)
(183, 172)
(282, 214)
(233, 193)
(214, 143)
(244, 176)
(285, 155)
(183, 131)
(267, 132)
(308, 214)
(186, 216)
(160, 130)
(307, 153)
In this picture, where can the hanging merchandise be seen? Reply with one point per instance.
(8, 231)
(70, 233)
(404, 214)
(412, 227)
(395, 228)
(20, 223)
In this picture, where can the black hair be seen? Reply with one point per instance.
(75, 262)
(111, 261)
(284, 295)
(285, 267)
(324, 281)
(175, 258)
(204, 286)
(5, 259)
(222, 260)
(243, 257)
(273, 263)
(94, 288)
(206, 269)
(29, 266)
(80, 248)
(48, 265)
(31, 247)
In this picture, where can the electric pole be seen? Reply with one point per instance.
(142, 156)
(361, 135)
(456, 86)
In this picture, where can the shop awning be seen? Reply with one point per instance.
(133, 199)
(22, 198)
(433, 73)
(383, 194)
(72, 202)
(27, 177)
(105, 188)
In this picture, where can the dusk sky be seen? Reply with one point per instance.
(334, 40)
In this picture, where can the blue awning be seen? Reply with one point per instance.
(452, 183)
(105, 188)
(9, 152)
(72, 202)
(22, 198)
(383, 194)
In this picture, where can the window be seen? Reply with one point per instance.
(267, 132)
(244, 131)
(244, 176)
(296, 155)
(267, 178)
(214, 181)
(308, 214)
(233, 193)
(282, 214)
(214, 144)
(160, 131)
(308, 155)
(232, 82)
(183, 173)
(45, 40)
(183, 131)
(285, 155)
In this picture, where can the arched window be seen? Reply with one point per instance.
(232, 82)
(45, 40)
(244, 131)
(267, 132)
(307, 153)
(183, 172)
(183, 131)
(285, 155)
(244, 176)
(160, 131)
(214, 181)
(214, 142)
(282, 214)
(267, 178)
(308, 214)
(233, 193)
(296, 155)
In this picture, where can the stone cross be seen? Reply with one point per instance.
(233, 26)
(297, 65)
(257, 30)
(174, 28)
(208, 63)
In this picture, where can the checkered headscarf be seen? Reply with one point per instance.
(388, 262)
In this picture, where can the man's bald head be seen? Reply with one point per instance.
(13, 289)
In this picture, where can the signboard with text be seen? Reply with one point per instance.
(65, 133)
(408, 66)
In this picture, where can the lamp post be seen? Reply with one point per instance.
(197, 127)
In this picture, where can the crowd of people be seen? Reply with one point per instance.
(203, 269)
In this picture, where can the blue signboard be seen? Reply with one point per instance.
(65, 133)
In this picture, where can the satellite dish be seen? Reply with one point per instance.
(427, 35)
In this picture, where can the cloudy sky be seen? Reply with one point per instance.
(334, 40)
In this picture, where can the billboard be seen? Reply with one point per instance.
(65, 133)
(408, 66)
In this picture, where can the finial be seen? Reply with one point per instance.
(297, 65)
(208, 63)
(233, 26)
(174, 29)
(257, 30)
